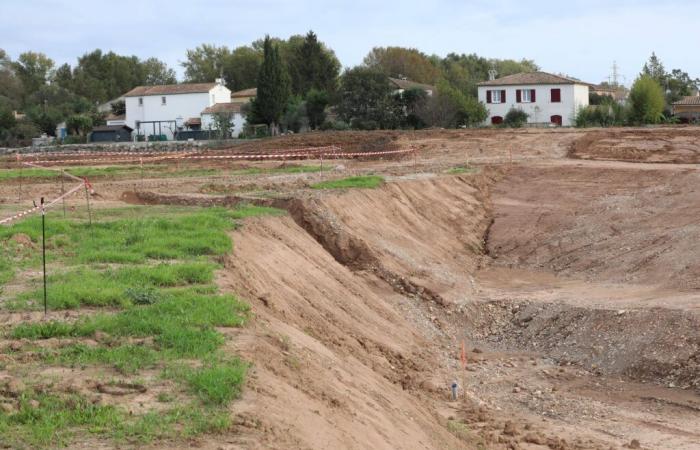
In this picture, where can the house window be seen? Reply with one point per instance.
(162, 101)
(556, 95)
(556, 120)
(496, 96)
(496, 120)
(525, 96)
(140, 101)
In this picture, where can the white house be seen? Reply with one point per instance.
(162, 110)
(232, 110)
(545, 97)
(402, 84)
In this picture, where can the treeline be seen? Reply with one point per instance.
(650, 99)
(309, 81)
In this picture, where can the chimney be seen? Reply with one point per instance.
(219, 81)
(492, 74)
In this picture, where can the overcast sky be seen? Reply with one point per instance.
(581, 38)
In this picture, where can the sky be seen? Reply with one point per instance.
(576, 37)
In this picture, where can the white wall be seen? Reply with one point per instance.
(573, 97)
(177, 105)
(237, 122)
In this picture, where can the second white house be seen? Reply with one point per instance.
(545, 97)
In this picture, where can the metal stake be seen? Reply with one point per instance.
(43, 249)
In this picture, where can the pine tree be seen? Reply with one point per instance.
(273, 87)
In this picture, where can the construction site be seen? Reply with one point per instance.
(438, 289)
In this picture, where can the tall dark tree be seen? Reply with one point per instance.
(313, 66)
(273, 87)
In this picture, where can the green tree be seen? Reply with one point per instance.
(312, 66)
(34, 70)
(654, 68)
(222, 123)
(451, 108)
(79, 124)
(273, 87)
(363, 97)
(155, 71)
(403, 62)
(11, 90)
(241, 68)
(205, 63)
(646, 100)
(316, 103)
(118, 108)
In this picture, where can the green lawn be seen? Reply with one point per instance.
(151, 272)
(364, 181)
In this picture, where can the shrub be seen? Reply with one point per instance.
(646, 101)
(515, 118)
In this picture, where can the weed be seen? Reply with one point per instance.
(218, 382)
(127, 359)
(365, 182)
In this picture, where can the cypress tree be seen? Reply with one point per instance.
(273, 87)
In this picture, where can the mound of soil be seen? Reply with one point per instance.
(660, 145)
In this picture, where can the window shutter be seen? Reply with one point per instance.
(518, 96)
(556, 95)
(532, 96)
(488, 96)
(503, 96)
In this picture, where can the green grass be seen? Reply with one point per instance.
(126, 359)
(461, 169)
(364, 182)
(164, 311)
(112, 287)
(149, 170)
(280, 170)
(217, 383)
(52, 421)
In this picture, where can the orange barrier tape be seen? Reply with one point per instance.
(38, 208)
(309, 153)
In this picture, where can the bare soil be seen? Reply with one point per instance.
(563, 264)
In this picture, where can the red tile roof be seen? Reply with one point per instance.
(251, 92)
(531, 78)
(691, 100)
(223, 107)
(165, 89)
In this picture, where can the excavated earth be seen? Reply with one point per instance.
(555, 281)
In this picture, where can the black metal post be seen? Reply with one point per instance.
(43, 249)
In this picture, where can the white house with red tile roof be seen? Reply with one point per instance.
(162, 109)
(545, 97)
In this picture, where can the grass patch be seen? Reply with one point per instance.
(218, 382)
(461, 169)
(127, 359)
(52, 421)
(362, 182)
(164, 296)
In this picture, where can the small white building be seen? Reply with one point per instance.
(163, 109)
(230, 110)
(402, 84)
(546, 98)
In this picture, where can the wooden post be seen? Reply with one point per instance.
(19, 192)
(87, 199)
(63, 199)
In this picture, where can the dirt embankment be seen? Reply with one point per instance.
(659, 145)
(329, 340)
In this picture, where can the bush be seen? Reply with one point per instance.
(336, 125)
(515, 118)
(646, 101)
(603, 115)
